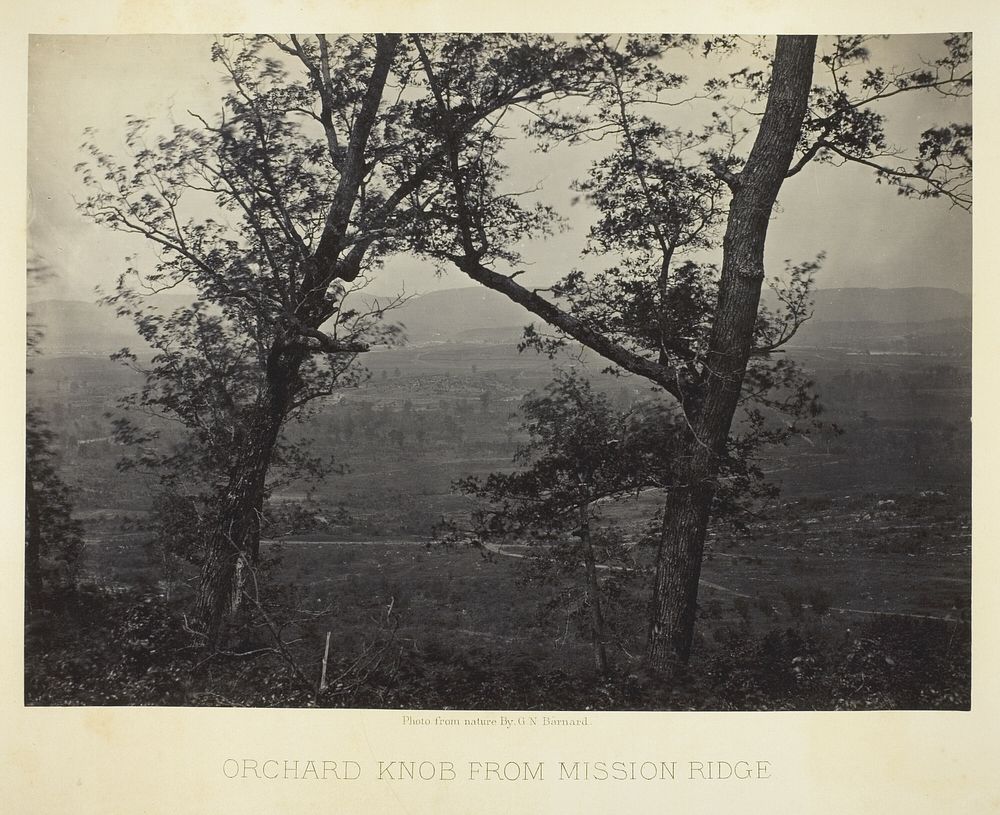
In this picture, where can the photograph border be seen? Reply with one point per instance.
(109, 760)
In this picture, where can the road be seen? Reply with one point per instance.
(503, 551)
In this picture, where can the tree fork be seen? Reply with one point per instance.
(688, 507)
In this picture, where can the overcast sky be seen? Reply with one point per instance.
(872, 237)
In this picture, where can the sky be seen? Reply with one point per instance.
(871, 236)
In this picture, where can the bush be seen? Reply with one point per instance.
(96, 647)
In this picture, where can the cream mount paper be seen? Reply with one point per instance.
(182, 760)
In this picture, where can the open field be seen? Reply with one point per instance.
(432, 414)
(833, 574)
(850, 558)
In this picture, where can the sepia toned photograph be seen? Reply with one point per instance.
(583, 372)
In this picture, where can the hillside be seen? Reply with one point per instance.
(932, 320)
(918, 304)
(85, 328)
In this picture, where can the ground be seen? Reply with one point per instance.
(851, 590)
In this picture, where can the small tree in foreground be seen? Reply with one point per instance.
(580, 452)
(53, 539)
(583, 455)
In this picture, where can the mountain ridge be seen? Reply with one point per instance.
(477, 314)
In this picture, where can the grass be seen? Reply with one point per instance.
(459, 614)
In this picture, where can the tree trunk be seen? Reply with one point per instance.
(235, 542)
(594, 590)
(234, 546)
(689, 504)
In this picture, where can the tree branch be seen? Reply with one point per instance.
(665, 376)
(312, 339)
(353, 168)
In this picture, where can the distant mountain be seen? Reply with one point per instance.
(478, 314)
(76, 326)
(471, 314)
(914, 320)
(872, 317)
(919, 304)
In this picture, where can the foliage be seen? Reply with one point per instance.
(887, 663)
(580, 451)
(99, 648)
(203, 388)
(845, 125)
(314, 170)
(276, 269)
(321, 171)
(53, 538)
(580, 454)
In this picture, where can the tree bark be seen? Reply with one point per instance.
(234, 546)
(235, 542)
(353, 169)
(688, 506)
(709, 406)
(594, 590)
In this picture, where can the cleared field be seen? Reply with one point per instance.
(839, 561)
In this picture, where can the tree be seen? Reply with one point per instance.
(297, 210)
(666, 198)
(580, 453)
(53, 539)
(379, 144)
(313, 172)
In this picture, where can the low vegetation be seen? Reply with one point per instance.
(794, 619)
